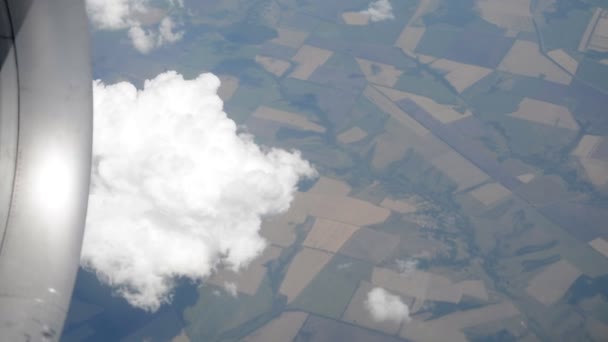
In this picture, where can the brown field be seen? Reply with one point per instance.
(490, 193)
(513, 15)
(352, 135)
(248, 279)
(330, 186)
(274, 66)
(290, 38)
(318, 329)
(449, 328)
(357, 313)
(355, 18)
(553, 281)
(587, 146)
(383, 102)
(461, 76)
(600, 245)
(329, 235)
(460, 170)
(282, 328)
(302, 270)
(566, 61)
(385, 74)
(473, 288)
(525, 59)
(228, 86)
(287, 118)
(582, 47)
(403, 206)
(341, 208)
(545, 113)
(280, 229)
(369, 244)
(309, 58)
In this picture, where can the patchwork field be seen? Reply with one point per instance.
(371, 245)
(491, 193)
(514, 16)
(600, 245)
(352, 135)
(461, 76)
(302, 270)
(228, 86)
(329, 235)
(403, 206)
(282, 328)
(379, 73)
(274, 66)
(290, 38)
(247, 280)
(287, 118)
(525, 59)
(309, 58)
(564, 60)
(550, 285)
(341, 208)
(545, 113)
(460, 170)
(393, 110)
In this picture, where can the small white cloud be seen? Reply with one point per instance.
(379, 10)
(176, 189)
(158, 30)
(231, 289)
(384, 306)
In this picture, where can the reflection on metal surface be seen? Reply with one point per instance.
(45, 154)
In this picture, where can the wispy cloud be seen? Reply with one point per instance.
(147, 26)
(384, 306)
(379, 10)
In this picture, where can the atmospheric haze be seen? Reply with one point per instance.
(176, 189)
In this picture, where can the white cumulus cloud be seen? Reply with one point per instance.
(379, 10)
(148, 27)
(176, 189)
(384, 306)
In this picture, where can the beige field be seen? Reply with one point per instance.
(388, 148)
(512, 15)
(302, 270)
(460, 170)
(490, 193)
(274, 66)
(554, 280)
(599, 38)
(582, 47)
(290, 38)
(403, 206)
(600, 245)
(287, 118)
(355, 18)
(566, 61)
(418, 284)
(586, 146)
(526, 177)
(357, 313)
(228, 86)
(383, 102)
(329, 235)
(280, 229)
(461, 76)
(525, 59)
(309, 58)
(248, 279)
(330, 186)
(409, 38)
(596, 170)
(386, 75)
(282, 328)
(449, 327)
(182, 337)
(341, 208)
(545, 113)
(445, 114)
(473, 288)
(352, 135)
